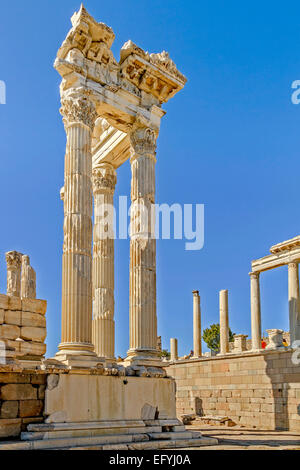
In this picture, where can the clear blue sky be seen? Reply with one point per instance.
(229, 140)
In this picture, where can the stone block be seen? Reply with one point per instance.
(10, 427)
(12, 317)
(3, 301)
(28, 408)
(34, 306)
(30, 348)
(9, 409)
(33, 333)
(1, 315)
(9, 331)
(11, 378)
(18, 392)
(33, 319)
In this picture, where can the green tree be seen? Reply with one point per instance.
(165, 353)
(211, 336)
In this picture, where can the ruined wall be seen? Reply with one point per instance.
(261, 389)
(22, 395)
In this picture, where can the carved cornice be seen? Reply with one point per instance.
(104, 178)
(78, 109)
(13, 259)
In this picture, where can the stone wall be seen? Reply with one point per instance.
(253, 389)
(23, 325)
(21, 399)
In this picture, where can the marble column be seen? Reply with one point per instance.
(103, 328)
(294, 302)
(76, 331)
(174, 349)
(142, 289)
(255, 311)
(224, 324)
(13, 263)
(196, 324)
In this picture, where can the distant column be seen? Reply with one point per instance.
(224, 326)
(255, 311)
(197, 324)
(294, 303)
(174, 349)
(13, 262)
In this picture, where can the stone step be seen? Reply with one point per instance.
(64, 433)
(155, 445)
(171, 435)
(87, 425)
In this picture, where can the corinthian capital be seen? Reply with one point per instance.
(13, 259)
(78, 108)
(104, 178)
(143, 140)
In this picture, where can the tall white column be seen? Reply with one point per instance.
(104, 181)
(197, 324)
(224, 324)
(294, 302)
(174, 349)
(142, 290)
(255, 311)
(76, 334)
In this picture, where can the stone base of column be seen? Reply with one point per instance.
(143, 358)
(74, 355)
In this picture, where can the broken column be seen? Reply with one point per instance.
(224, 325)
(13, 262)
(28, 279)
(275, 339)
(174, 349)
(240, 343)
(255, 311)
(104, 181)
(197, 324)
(294, 302)
(76, 333)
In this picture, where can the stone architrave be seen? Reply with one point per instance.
(28, 279)
(104, 180)
(13, 262)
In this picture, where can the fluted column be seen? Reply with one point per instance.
(104, 181)
(294, 303)
(142, 291)
(174, 349)
(255, 311)
(197, 324)
(224, 324)
(76, 332)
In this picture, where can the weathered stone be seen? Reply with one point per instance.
(32, 333)
(9, 331)
(12, 317)
(29, 408)
(4, 301)
(18, 392)
(1, 316)
(28, 279)
(33, 319)
(10, 427)
(9, 409)
(34, 306)
(32, 348)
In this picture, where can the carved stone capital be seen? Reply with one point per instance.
(254, 275)
(78, 109)
(143, 141)
(13, 259)
(104, 178)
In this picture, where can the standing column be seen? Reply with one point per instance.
(13, 263)
(174, 349)
(255, 311)
(197, 324)
(224, 325)
(104, 181)
(293, 274)
(142, 291)
(76, 334)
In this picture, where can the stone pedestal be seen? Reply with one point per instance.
(275, 339)
(197, 324)
(104, 181)
(224, 325)
(76, 334)
(255, 312)
(240, 343)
